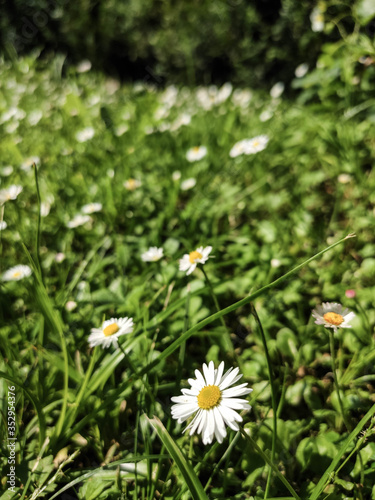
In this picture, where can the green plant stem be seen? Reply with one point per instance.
(228, 343)
(333, 361)
(130, 364)
(37, 253)
(82, 391)
(273, 396)
(270, 463)
(217, 305)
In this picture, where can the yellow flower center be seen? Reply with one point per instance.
(333, 318)
(256, 144)
(196, 149)
(193, 256)
(209, 397)
(131, 184)
(111, 329)
(17, 274)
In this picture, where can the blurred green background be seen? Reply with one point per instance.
(251, 43)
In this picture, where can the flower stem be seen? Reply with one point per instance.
(336, 381)
(130, 364)
(273, 395)
(270, 463)
(227, 341)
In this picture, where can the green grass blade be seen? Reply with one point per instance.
(52, 316)
(194, 485)
(185, 336)
(87, 475)
(38, 408)
(323, 480)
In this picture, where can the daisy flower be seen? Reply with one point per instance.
(79, 220)
(196, 153)
(301, 70)
(249, 146)
(17, 273)
(238, 149)
(188, 184)
(190, 260)
(317, 19)
(3, 225)
(110, 331)
(90, 208)
(333, 315)
(85, 135)
(152, 255)
(132, 184)
(277, 90)
(213, 401)
(256, 144)
(10, 193)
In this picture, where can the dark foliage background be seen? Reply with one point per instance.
(252, 43)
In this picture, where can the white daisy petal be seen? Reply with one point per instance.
(17, 273)
(189, 261)
(212, 402)
(110, 331)
(332, 315)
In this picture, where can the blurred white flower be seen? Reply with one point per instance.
(238, 149)
(256, 144)
(35, 117)
(121, 129)
(132, 184)
(277, 90)
(190, 260)
(249, 146)
(90, 208)
(83, 66)
(212, 401)
(344, 178)
(7, 170)
(163, 127)
(333, 315)
(85, 135)
(275, 263)
(16, 273)
(317, 19)
(188, 184)
(10, 193)
(28, 163)
(241, 97)
(161, 113)
(183, 119)
(70, 305)
(153, 254)
(110, 331)
(169, 96)
(266, 115)
(196, 153)
(45, 208)
(176, 176)
(79, 220)
(111, 86)
(7, 115)
(224, 92)
(59, 257)
(3, 225)
(301, 70)
(11, 127)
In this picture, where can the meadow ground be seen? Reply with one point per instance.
(120, 169)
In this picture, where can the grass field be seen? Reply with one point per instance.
(114, 175)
